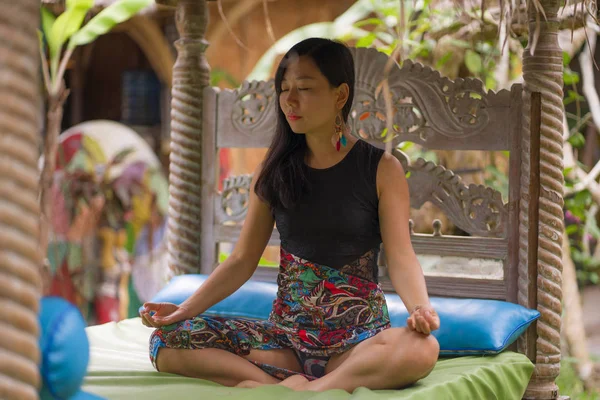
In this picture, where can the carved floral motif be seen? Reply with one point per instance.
(476, 209)
(423, 102)
(232, 204)
(254, 103)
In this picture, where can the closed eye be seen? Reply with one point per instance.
(287, 90)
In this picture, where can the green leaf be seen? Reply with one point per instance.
(584, 198)
(573, 95)
(577, 140)
(473, 62)
(490, 82)
(77, 3)
(566, 58)
(568, 170)
(594, 278)
(366, 41)
(67, 24)
(444, 59)
(406, 146)
(570, 77)
(106, 19)
(48, 20)
(368, 21)
(572, 229)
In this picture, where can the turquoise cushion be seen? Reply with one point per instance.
(468, 326)
(64, 349)
(471, 326)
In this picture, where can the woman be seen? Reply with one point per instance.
(334, 199)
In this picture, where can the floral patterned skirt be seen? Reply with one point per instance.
(319, 311)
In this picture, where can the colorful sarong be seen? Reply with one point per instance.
(319, 311)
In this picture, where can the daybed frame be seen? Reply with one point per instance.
(524, 233)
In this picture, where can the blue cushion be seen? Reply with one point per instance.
(64, 349)
(252, 300)
(471, 326)
(468, 326)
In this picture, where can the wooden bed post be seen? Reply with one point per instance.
(20, 259)
(190, 77)
(540, 286)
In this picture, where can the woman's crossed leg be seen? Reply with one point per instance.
(226, 351)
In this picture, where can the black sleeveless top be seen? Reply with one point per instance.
(337, 221)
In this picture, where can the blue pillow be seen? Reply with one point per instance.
(64, 350)
(468, 326)
(471, 326)
(253, 300)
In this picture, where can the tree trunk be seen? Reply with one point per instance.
(53, 127)
(19, 211)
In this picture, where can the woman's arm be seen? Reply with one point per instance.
(404, 269)
(243, 261)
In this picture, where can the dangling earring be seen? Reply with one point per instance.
(339, 132)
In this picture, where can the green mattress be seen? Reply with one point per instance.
(120, 369)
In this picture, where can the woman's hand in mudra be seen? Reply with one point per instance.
(156, 315)
(423, 319)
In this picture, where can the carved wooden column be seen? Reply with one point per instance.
(541, 287)
(20, 261)
(190, 77)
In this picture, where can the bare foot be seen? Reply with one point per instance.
(249, 384)
(295, 382)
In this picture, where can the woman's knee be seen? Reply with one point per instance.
(424, 353)
(412, 350)
(165, 341)
(165, 361)
(431, 353)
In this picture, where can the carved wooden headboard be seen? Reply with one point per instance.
(429, 110)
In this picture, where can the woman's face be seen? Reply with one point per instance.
(307, 99)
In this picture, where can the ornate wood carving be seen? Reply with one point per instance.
(232, 203)
(247, 115)
(20, 258)
(251, 107)
(428, 109)
(543, 73)
(476, 209)
(190, 77)
(421, 99)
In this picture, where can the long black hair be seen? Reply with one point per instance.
(283, 176)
